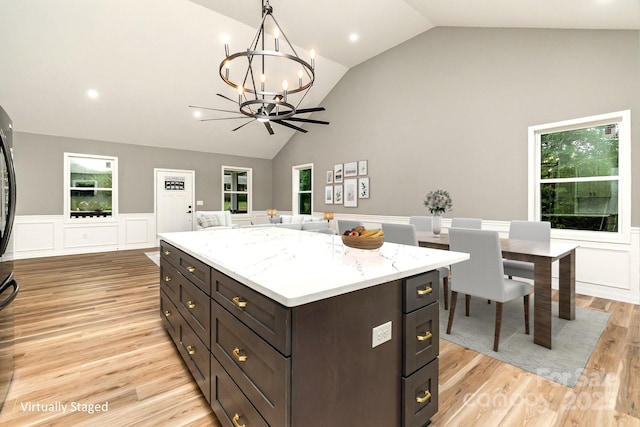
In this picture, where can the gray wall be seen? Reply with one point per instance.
(450, 109)
(39, 164)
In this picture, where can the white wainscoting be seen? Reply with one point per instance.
(50, 235)
(606, 270)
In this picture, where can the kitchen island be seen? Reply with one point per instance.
(290, 328)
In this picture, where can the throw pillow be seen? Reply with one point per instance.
(206, 221)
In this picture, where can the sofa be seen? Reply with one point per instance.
(217, 219)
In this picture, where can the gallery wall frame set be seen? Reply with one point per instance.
(350, 183)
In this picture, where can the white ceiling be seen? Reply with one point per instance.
(150, 59)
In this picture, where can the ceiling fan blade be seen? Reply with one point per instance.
(233, 130)
(309, 110)
(269, 128)
(289, 125)
(298, 119)
(212, 109)
(226, 97)
(223, 118)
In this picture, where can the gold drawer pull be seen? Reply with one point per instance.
(167, 313)
(191, 269)
(239, 302)
(235, 420)
(167, 278)
(167, 253)
(426, 291)
(191, 304)
(191, 350)
(424, 337)
(424, 398)
(239, 357)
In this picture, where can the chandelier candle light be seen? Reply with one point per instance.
(438, 202)
(264, 96)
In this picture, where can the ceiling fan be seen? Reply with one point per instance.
(265, 114)
(257, 100)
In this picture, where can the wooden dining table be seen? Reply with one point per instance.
(542, 255)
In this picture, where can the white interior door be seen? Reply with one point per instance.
(174, 191)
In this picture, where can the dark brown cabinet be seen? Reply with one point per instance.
(260, 363)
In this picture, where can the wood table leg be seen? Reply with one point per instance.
(567, 285)
(542, 302)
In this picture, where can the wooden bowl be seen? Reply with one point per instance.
(363, 242)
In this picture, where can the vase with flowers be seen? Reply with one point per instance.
(438, 202)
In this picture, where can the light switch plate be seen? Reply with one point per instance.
(381, 334)
(199, 202)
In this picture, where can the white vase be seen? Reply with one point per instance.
(436, 224)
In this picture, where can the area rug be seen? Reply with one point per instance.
(154, 256)
(573, 340)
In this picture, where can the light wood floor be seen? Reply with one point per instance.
(89, 332)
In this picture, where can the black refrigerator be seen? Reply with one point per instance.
(8, 285)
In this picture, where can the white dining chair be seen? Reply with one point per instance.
(423, 223)
(404, 234)
(475, 223)
(482, 275)
(539, 231)
(347, 224)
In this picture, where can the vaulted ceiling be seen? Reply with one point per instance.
(148, 60)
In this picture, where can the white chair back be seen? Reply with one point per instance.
(404, 234)
(422, 223)
(475, 223)
(347, 224)
(482, 275)
(539, 231)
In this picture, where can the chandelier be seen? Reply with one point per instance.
(270, 78)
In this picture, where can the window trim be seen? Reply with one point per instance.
(295, 179)
(623, 119)
(249, 191)
(67, 189)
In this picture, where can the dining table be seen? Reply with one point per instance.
(542, 255)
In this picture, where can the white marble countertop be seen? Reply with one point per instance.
(298, 267)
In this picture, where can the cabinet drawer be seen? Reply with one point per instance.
(264, 316)
(421, 290)
(261, 372)
(195, 308)
(228, 403)
(170, 279)
(196, 271)
(170, 316)
(421, 338)
(420, 396)
(197, 357)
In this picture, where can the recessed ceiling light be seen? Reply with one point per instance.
(92, 93)
(197, 114)
(353, 37)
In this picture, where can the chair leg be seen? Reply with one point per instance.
(452, 310)
(467, 302)
(496, 338)
(526, 314)
(445, 285)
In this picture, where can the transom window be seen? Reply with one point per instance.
(90, 186)
(581, 173)
(236, 189)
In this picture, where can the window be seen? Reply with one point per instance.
(302, 184)
(236, 189)
(90, 186)
(581, 175)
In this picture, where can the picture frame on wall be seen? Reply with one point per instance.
(351, 169)
(362, 167)
(337, 194)
(329, 177)
(328, 195)
(337, 173)
(351, 193)
(363, 188)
